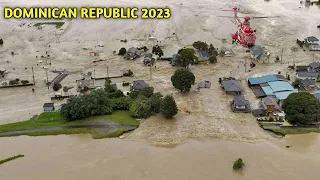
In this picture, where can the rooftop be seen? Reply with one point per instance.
(279, 86)
(240, 101)
(139, 84)
(314, 65)
(283, 95)
(204, 54)
(231, 86)
(204, 84)
(48, 105)
(263, 79)
(312, 38)
(307, 74)
(307, 82)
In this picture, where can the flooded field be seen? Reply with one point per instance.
(80, 157)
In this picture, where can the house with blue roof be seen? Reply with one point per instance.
(261, 80)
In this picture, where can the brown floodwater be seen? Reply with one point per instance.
(80, 157)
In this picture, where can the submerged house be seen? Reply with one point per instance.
(203, 57)
(204, 84)
(312, 43)
(132, 53)
(240, 104)
(308, 85)
(138, 85)
(257, 53)
(231, 87)
(148, 59)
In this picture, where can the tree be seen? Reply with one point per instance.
(122, 103)
(212, 51)
(187, 57)
(56, 86)
(122, 51)
(96, 103)
(24, 81)
(302, 108)
(213, 59)
(140, 108)
(238, 164)
(183, 79)
(118, 93)
(17, 79)
(296, 83)
(147, 92)
(202, 46)
(168, 107)
(156, 100)
(1, 41)
(109, 87)
(13, 82)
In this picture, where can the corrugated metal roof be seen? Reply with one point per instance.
(278, 86)
(283, 95)
(231, 86)
(307, 74)
(263, 79)
(267, 90)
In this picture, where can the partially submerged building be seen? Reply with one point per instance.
(203, 57)
(312, 71)
(132, 53)
(308, 85)
(148, 59)
(85, 83)
(312, 43)
(240, 104)
(138, 85)
(231, 87)
(257, 53)
(204, 84)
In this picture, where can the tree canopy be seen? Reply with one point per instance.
(56, 86)
(168, 107)
(95, 103)
(157, 50)
(302, 108)
(202, 46)
(186, 57)
(212, 51)
(141, 107)
(122, 51)
(183, 79)
(155, 101)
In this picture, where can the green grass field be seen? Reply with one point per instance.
(53, 119)
(57, 24)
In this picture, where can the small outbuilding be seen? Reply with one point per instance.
(48, 107)
(257, 53)
(204, 57)
(204, 84)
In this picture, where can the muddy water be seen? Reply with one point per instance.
(79, 157)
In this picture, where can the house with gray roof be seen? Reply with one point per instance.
(231, 87)
(308, 75)
(314, 67)
(312, 43)
(138, 85)
(132, 53)
(257, 53)
(203, 56)
(308, 85)
(240, 104)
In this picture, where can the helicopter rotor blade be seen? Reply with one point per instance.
(257, 17)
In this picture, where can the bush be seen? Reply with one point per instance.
(24, 81)
(202, 46)
(125, 84)
(147, 92)
(122, 51)
(213, 59)
(238, 164)
(57, 86)
(17, 79)
(4, 84)
(1, 41)
(13, 82)
(118, 93)
(296, 83)
(128, 73)
(156, 100)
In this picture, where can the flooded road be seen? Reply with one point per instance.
(79, 157)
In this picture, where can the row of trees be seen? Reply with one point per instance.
(141, 103)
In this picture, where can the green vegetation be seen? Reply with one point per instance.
(238, 164)
(57, 24)
(122, 51)
(157, 50)
(202, 46)
(302, 108)
(141, 107)
(11, 158)
(95, 103)
(24, 81)
(183, 80)
(269, 123)
(285, 131)
(168, 107)
(296, 83)
(213, 59)
(56, 86)
(53, 119)
(186, 57)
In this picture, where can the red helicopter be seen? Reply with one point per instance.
(245, 34)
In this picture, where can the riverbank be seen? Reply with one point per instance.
(283, 130)
(112, 125)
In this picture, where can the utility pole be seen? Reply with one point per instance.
(94, 77)
(108, 72)
(281, 55)
(47, 78)
(34, 83)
